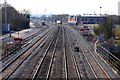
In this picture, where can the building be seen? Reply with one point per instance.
(90, 19)
(119, 8)
(72, 19)
(86, 19)
(3, 28)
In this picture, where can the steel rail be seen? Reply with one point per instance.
(86, 57)
(51, 62)
(25, 43)
(75, 62)
(83, 53)
(33, 46)
(92, 56)
(41, 61)
(21, 53)
(65, 57)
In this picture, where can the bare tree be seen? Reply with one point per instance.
(106, 27)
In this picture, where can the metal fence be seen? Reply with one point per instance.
(110, 58)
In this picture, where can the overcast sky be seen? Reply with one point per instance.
(66, 6)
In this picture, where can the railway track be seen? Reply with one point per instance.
(13, 65)
(108, 70)
(83, 67)
(34, 35)
(52, 56)
(25, 42)
(105, 66)
(24, 49)
(12, 57)
(44, 67)
(72, 52)
(28, 67)
(58, 60)
(65, 53)
(59, 67)
(97, 69)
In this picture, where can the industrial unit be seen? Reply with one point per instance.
(86, 19)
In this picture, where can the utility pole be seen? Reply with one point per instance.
(45, 15)
(5, 12)
(6, 23)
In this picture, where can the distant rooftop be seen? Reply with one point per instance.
(97, 15)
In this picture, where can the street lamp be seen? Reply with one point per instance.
(100, 10)
(6, 23)
(45, 15)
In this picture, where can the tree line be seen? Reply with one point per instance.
(107, 26)
(61, 17)
(17, 20)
